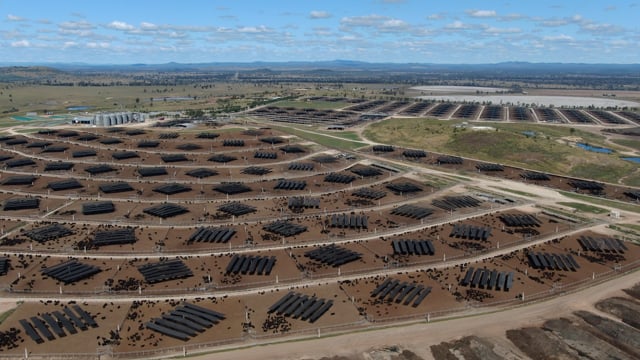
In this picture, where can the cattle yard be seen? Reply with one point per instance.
(134, 242)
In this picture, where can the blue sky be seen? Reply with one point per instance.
(400, 31)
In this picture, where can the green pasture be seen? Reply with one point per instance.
(547, 151)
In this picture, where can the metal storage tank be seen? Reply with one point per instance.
(127, 117)
(111, 121)
(120, 119)
(99, 120)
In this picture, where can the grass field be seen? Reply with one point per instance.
(349, 135)
(321, 139)
(547, 151)
(603, 202)
(584, 207)
(630, 143)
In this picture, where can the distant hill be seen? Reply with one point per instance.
(27, 73)
(335, 65)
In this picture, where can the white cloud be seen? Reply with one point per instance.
(148, 26)
(21, 43)
(12, 17)
(383, 24)
(317, 14)
(254, 29)
(481, 13)
(98, 45)
(69, 44)
(366, 20)
(495, 31)
(120, 25)
(77, 25)
(438, 16)
(457, 25)
(560, 37)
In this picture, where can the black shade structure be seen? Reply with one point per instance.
(164, 271)
(59, 166)
(170, 158)
(403, 188)
(382, 148)
(185, 321)
(284, 228)
(368, 193)
(124, 155)
(413, 247)
(115, 187)
(251, 265)
(83, 153)
(98, 207)
(333, 255)
(301, 166)
(48, 232)
(71, 271)
(232, 188)
(236, 208)
(303, 307)
(114, 237)
(55, 149)
(64, 185)
(303, 202)
(171, 189)
(152, 171)
(59, 323)
(222, 158)
(399, 292)
(166, 210)
(14, 163)
(99, 169)
(339, 178)
(20, 180)
(212, 235)
(21, 204)
(284, 184)
(412, 211)
(256, 170)
(201, 173)
(451, 203)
